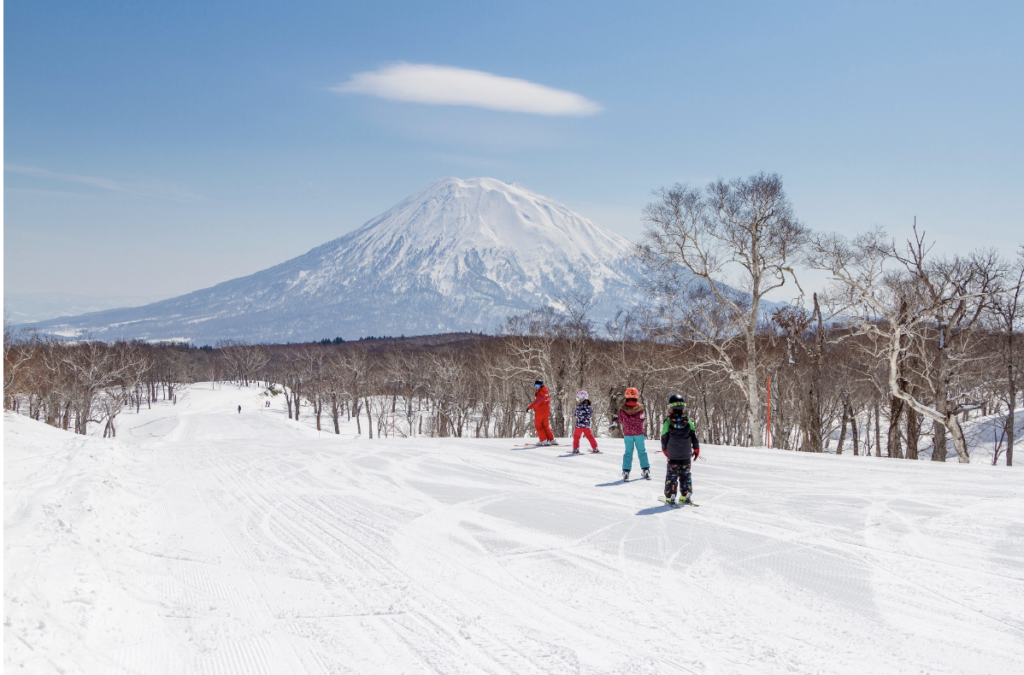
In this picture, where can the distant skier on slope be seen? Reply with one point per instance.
(239, 410)
(679, 443)
(541, 408)
(631, 419)
(584, 413)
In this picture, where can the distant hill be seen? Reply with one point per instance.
(32, 307)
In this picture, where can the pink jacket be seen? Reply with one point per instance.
(631, 420)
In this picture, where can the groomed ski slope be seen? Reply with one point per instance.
(204, 541)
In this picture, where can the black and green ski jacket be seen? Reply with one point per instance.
(679, 439)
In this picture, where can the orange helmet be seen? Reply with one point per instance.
(632, 393)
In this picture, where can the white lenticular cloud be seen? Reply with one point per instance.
(444, 85)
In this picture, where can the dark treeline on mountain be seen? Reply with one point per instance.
(903, 347)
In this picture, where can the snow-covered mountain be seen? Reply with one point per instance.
(460, 255)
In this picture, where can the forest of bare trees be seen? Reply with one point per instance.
(902, 349)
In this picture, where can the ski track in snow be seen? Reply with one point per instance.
(204, 541)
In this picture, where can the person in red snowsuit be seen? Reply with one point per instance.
(541, 408)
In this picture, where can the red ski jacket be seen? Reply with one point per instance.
(541, 405)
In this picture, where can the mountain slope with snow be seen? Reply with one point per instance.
(460, 255)
(202, 540)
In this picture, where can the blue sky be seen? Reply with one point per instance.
(156, 148)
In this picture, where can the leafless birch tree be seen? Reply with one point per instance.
(720, 251)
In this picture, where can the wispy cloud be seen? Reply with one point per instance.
(445, 85)
(141, 189)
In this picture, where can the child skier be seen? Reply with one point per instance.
(584, 413)
(631, 421)
(678, 442)
(541, 408)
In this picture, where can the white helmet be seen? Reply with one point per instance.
(581, 395)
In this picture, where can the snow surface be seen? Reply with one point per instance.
(206, 541)
(457, 256)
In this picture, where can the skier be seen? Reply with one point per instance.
(584, 413)
(631, 421)
(239, 410)
(541, 408)
(679, 442)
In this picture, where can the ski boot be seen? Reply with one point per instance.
(646, 474)
(625, 476)
(575, 451)
(671, 501)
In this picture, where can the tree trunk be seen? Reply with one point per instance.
(959, 441)
(853, 433)
(369, 420)
(942, 405)
(614, 403)
(895, 414)
(394, 412)
(913, 432)
(842, 430)
(1011, 380)
(1009, 436)
(896, 404)
(707, 418)
(753, 393)
(878, 430)
(812, 419)
(558, 418)
(939, 444)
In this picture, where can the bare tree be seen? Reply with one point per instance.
(724, 248)
(579, 331)
(808, 340)
(1007, 312)
(920, 303)
(244, 361)
(532, 340)
(16, 355)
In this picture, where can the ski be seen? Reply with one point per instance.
(676, 505)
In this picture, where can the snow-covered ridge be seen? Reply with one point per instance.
(459, 255)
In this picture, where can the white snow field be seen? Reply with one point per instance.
(202, 540)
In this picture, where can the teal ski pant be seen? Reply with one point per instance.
(627, 459)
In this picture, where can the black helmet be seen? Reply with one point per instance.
(675, 401)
